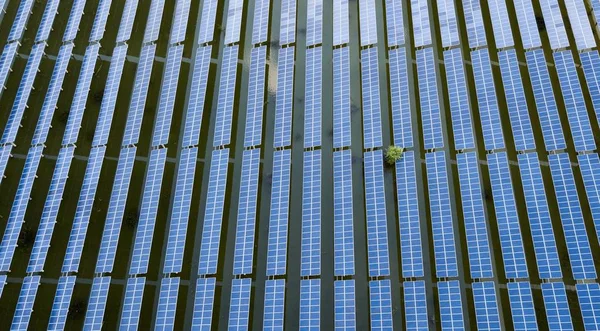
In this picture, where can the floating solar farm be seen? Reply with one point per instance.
(225, 165)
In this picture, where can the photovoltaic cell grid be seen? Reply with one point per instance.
(287, 32)
(474, 21)
(400, 94)
(4, 157)
(278, 221)
(341, 22)
(100, 20)
(260, 26)
(342, 102)
(451, 312)
(380, 298)
(168, 92)
(94, 315)
(62, 300)
(368, 22)
(154, 19)
(459, 100)
(2, 281)
(256, 97)
(415, 305)
(343, 213)
(224, 119)
(377, 239)
(207, 22)
(589, 165)
(167, 304)
(239, 306)
(530, 36)
(580, 24)
(371, 99)
(127, 19)
(590, 61)
(25, 303)
(132, 303)
(274, 307)
(311, 215)
(203, 303)
(557, 306)
(589, 295)
(314, 22)
(500, 23)
(6, 59)
(554, 24)
(284, 98)
(18, 26)
(179, 25)
(313, 96)
(428, 94)
(310, 304)
(74, 20)
(521, 306)
(345, 306)
(420, 19)
(234, 21)
(195, 107)
(47, 20)
(486, 306)
(448, 23)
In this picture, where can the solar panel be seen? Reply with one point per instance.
(50, 211)
(345, 306)
(74, 20)
(284, 98)
(507, 218)
(207, 22)
(195, 107)
(515, 100)
(310, 304)
(20, 21)
(222, 135)
(486, 99)
(474, 22)
(441, 216)
(474, 218)
(368, 22)
(521, 306)
(278, 219)
(148, 212)
(4, 157)
(260, 26)
(341, 22)
(500, 23)
(2, 283)
(530, 36)
(341, 98)
(16, 217)
(274, 306)
(84, 210)
(167, 304)
(420, 19)
(371, 99)
(116, 211)
(394, 23)
(47, 19)
(311, 215)
(451, 312)
(109, 97)
(581, 130)
(127, 19)
(100, 20)
(239, 306)
(54, 89)
(62, 300)
(459, 100)
(313, 96)
(380, 298)
(448, 23)
(547, 258)
(81, 93)
(589, 165)
(203, 303)
(580, 24)
(139, 95)
(557, 306)
(430, 107)
(213, 214)
(246, 213)
(408, 215)
(24, 306)
(415, 305)
(154, 20)
(554, 24)
(377, 243)
(234, 21)
(588, 295)
(590, 61)
(94, 314)
(343, 214)
(25, 87)
(314, 22)
(400, 95)
(180, 212)
(168, 92)
(595, 9)
(179, 25)
(287, 30)
(132, 303)
(486, 306)
(256, 97)
(6, 60)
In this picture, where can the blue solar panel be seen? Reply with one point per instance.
(223, 124)
(180, 212)
(596, 9)
(368, 22)
(451, 312)
(20, 21)
(148, 211)
(341, 98)
(94, 315)
(441, 216)
(246, 213)
(415, 305)
(515, 100)
(74, 20)
(589, 296)
(500, 23)
(62, 300)
(408, 214)
(371, 99)
(557, 306)
(341, 22)
(84, 210)
(459, 100)
(100, 20)
(400, 94)
(530, 36)
(486, 99)
(207, 22)
(578, 246)
(589, 165)
(313, 96)
(521, 306)
(127, 20)
(256, 97)
(2, 283)
(430, 107)
(507, 218)
(394, 23)
(274, 306)
(581, 130)
(486, 306)
(4, 157)
(168, 92)
(474, 23)
(195, 107)
(213, 214)
(25, 304)
(377, 236)
(548, 260)
(580, 24)
(474, 218)
(234, 21)
(260, 26)
(132, 303)
(180, 21)
(345, 305)
(16, 217)
(311, 215)
(239, 306)
(287, 30)
(420, 20)
(554, 24)
(310, 304)
(116, 211)
(203, 304)
(154, 19)
(109, 98)
(284, 96)
(47, 20)
(380, 298)
(50, 211)
(343, 214)
(448, 23)
(138, 96)
(278, 221)
(314, 22)
(167, 304)
(6, 60)
(590, 62)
